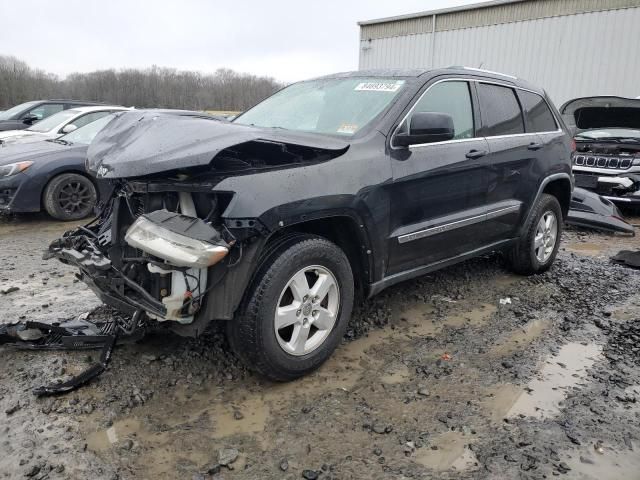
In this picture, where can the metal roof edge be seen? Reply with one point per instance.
(442, 11)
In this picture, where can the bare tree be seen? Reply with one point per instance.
(152, 87)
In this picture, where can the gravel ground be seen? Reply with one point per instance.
(470, 372)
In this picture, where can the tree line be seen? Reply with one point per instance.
(157, 87)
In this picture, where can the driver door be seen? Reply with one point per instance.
(439, 190)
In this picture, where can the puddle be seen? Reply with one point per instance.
(452, 453)
(520, 338)
(543, 396)
(397, 373)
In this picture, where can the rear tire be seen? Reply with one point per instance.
(70, 196)
(296, 310)
(537, 248)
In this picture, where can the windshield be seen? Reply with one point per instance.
(603, 134)
(9, 114)
(85, 135)
(338, 106)
(53, 121)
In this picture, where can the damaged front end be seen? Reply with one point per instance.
(150, 251)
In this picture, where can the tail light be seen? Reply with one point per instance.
(573, 145)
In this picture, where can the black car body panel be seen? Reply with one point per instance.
(144, 142)
(396, 211)
(590, 210)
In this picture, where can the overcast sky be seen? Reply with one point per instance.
(286, 39)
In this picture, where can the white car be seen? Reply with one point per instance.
(58, 124)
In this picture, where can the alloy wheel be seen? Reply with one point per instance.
(546, 236)
(75, 197)
(307, 310)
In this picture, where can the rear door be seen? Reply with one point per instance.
(513, 154)
(439, 189)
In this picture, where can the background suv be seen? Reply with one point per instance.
(57, 124)
(26, 114)
(607, 135)
(331, 188)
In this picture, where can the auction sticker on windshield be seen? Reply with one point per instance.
(379, 86)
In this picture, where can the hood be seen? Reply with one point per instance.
(140, 143)
(32, 151)
(12, 136)
(601, 112)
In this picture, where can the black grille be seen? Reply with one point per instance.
(619, 163)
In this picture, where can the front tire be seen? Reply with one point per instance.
(536, 250)
(296, 311)
(70, 196)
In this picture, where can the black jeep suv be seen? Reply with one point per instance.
(332, 187)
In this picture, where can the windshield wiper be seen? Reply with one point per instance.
(60, 141)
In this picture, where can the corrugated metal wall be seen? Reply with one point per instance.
(570, 56)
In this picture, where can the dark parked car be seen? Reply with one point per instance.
(51, 174)
(26, 114)
(331, 188)
(607, 156)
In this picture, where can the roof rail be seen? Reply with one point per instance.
(485, 71)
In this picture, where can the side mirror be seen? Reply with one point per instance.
(427, 127)
(30, 119)
(70, 127)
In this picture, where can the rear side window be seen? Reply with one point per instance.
(88, 118)
(501, 114)
(452, 98)
(537, 113)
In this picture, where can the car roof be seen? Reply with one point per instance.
(433, 72)
(78, 102)
(97, 108)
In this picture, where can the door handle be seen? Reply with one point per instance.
(473, 154)
(535, 146)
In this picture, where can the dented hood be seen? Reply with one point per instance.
(601, 112)
(138, 143)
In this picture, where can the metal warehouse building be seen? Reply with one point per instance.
(572, 48)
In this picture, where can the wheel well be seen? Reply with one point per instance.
(347, 234)
(561, 189)
(64, 172)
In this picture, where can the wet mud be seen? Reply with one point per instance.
(470, 372)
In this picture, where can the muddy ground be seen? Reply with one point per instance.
(470, 372)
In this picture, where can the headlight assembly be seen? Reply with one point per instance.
(180, 240)
(14, 168)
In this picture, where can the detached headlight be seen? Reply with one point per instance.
(14, 168)
(159, 233)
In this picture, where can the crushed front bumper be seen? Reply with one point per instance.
(620, 187)
(97, 271)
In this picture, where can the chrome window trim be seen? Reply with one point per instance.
(447, 227)
(469, 80)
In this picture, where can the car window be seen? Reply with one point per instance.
(537, 113)
(53, 121)
(501, 113)
(14, 112)
(86, 134)
(452, 98)
(88, 118)
(337, 106)
(46, 110)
